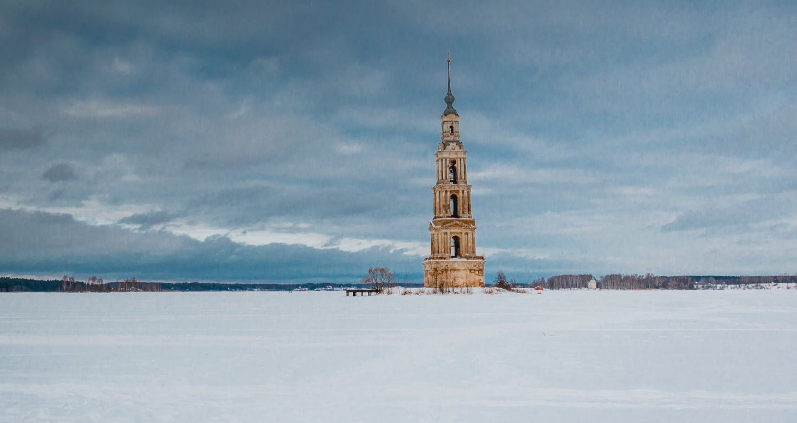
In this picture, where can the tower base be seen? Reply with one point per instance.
(439, 273)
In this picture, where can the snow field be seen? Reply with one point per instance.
(598, 356)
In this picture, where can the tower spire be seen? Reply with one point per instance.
(449, 97)
(449, 72)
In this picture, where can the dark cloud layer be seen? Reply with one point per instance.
(16, 139)
(80, 249)
(148, 220)
(60, 173)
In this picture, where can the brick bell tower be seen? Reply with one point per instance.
(453, 230)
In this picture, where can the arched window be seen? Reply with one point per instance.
(453, 206)
(451, 130)
(454, 246)
(452, 173)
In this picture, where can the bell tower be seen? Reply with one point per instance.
(453, 261)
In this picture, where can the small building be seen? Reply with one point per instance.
(592, 284)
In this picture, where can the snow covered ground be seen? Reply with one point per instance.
(568, 356)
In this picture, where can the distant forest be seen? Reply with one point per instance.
(649, 281)
(612, 281)
(93, 284)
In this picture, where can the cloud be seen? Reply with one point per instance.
(121, 66)
(60, 172)
(17, 139)
(102, 109)
(148, 220)
(742, 215)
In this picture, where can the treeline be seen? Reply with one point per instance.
(8, 284)
(70, 284)
(649, 281)
(612, 281)
(568, 282)
(95, 284)
(216, 286)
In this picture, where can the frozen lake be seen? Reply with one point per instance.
(568, 356)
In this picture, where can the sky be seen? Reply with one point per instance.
(293, 141)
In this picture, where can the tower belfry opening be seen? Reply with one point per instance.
(454, 246)
(453, 260)
(453, 206)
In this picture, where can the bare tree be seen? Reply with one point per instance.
(379, 278)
